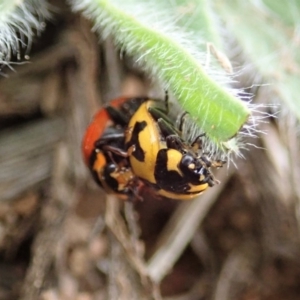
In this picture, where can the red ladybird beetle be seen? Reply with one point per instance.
(103, 148)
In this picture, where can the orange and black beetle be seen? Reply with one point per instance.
(133, 142)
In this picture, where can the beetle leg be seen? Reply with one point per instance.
(115, 150)
(166, 128)
(119, 151)
(182, 119)
(158, 113)
(135, 187)
(130, 150)
(197, 143)
(218, 163)
(174, 142)
(167, 101)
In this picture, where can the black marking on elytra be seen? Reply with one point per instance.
(172, 180)
(138, 153)
(169, 180)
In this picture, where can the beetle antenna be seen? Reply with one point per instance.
(167, 101)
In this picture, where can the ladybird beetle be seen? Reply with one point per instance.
(162, 159)
(103, 148)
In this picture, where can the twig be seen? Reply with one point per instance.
(118, 228)
(236, 272)
(180, 230)
(53, 215)
(26, 156)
